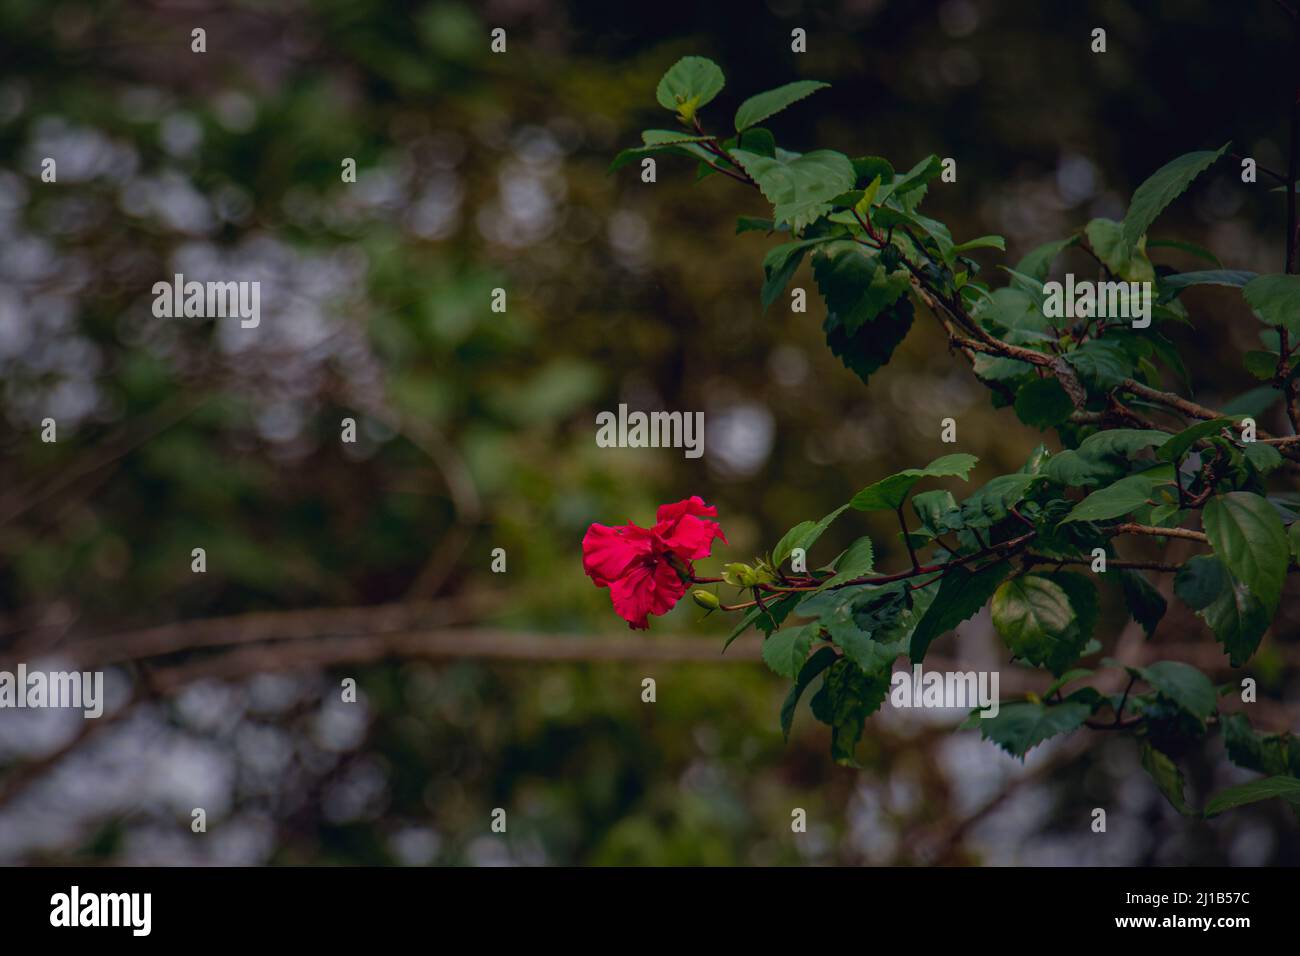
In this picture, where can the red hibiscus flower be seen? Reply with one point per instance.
(640, 565)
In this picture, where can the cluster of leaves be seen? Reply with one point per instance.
(1029, 544)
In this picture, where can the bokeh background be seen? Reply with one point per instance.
(372, 560)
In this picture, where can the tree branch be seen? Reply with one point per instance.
(1130, 528)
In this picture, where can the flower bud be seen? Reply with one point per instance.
(738, 575)
(705, 599)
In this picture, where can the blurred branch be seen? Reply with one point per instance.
(941, 847)
(454, 644)
(108, 452)
(326, 637)
(1272, 173)
(234, 630)
(435, 446)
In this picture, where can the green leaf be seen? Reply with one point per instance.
(1248, 537)
(1167, 514)
(688, 149)
(1037, 622)
(937, 511)
(1264, 458)
(847, 698)
(1022, 725)
(1122, 441)
(756, 140)
(871, 655)
(1120, 498)
(803, 535)
(1201, 581)
(799, 188)
(766, 621)
(1013, 309)
(889, 613)
(779, 266)
(1102, 364)
(754, 224)
(1234, 614)
(1086, 602)
(787, 649)
(1184, 280)
(910, 187)
(1042, 403)
(1268, 754)
(1253, 403)
(1036, 461)
(759, 107)
(1167, 353)
(982, 242)
(871, 611)
(690, 83)
(821, 660)
(990, 504)
(1024, 283)
(855, 285)
(961, 595)
(863, 206)
(890, 216)
(1073, 470)
(1176, 447)
(871, 626)
(1276, 300)
(1184, 685)
(871, 346)
(858, 560)
(989, 368)
(886, 494)
(1288, 788)
(1262, 365)
(1038, 263)
(1125, 260)
(1145, 604)
(668, 137)
(889, 493)
(1164, 186)
(868, 168)
(1167, 776)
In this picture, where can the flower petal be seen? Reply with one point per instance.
(648, 587)
(694, 505)
(689, 537)
(608, 551)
